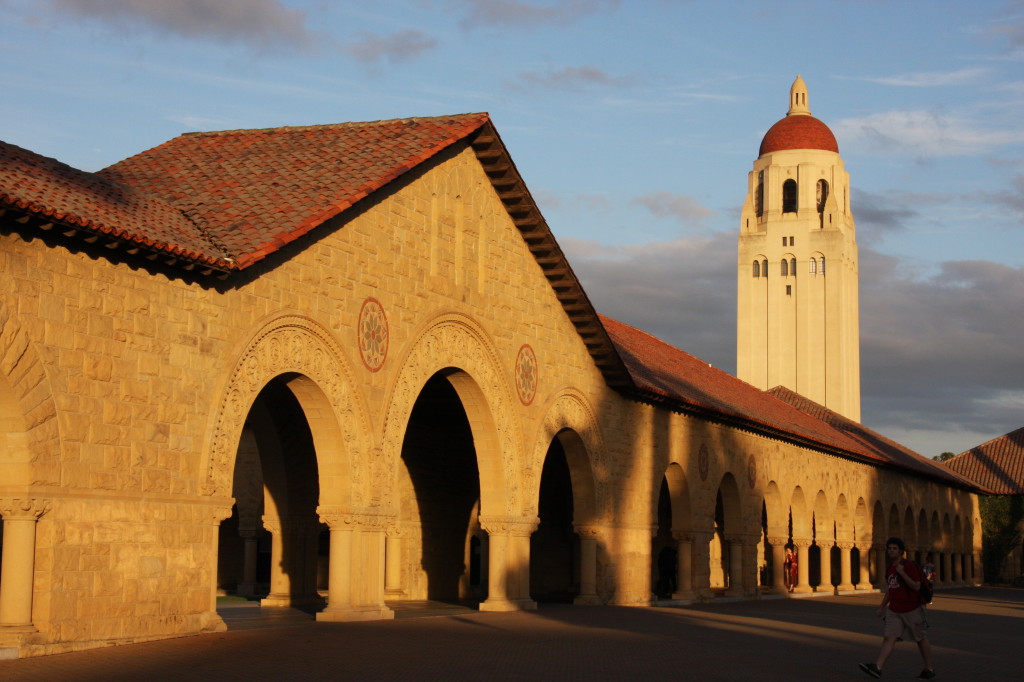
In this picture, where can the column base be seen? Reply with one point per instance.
(845, 588)
(287, 600)
(508, 605)
(347, 614)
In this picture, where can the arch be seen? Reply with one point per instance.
(570, 419)
(784, 268)
(824, 522)
(878, 528)
(732, 509)
(29, 427)
(909, 529)
(679, 493)
(895, 529)
(844, 527)
(456, 346)
(862, 524)
(924, 537)
(757, 268)
(320, 379)
(776, 509)
(802, 521)
(821, 194)
(789, 196)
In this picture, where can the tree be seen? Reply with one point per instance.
(1001, 517)
(943, 457)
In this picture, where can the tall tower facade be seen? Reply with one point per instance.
(798, 309)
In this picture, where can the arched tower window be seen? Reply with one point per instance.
(789, 196)
(812, 266)
(784, 272)
(822, 268)
(764, 268)
(821, 195)
(759, 195)
(792, 266)
(757, 268)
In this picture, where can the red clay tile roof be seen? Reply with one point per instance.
(54, 191)
(253, 191)
(798, 131)
(997, 465)
(681, 381)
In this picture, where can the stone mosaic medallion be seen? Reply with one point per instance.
(751, 470)
(373, 334)
(703, 463)
(526, 374)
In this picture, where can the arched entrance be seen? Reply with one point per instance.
(439, 503)
(277, 461)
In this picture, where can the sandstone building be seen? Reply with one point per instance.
(349, 365)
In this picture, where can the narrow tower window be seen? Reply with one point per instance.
(822, 268)
(812, 266)
(784, 272)
(789, 196)
(792, 266)
(764, 268)
(759, 195)
(757, 268)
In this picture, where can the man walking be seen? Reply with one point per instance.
(902, 610)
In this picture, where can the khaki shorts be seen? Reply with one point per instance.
(911, 626)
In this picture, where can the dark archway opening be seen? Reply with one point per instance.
(440, 460)
(554, 546)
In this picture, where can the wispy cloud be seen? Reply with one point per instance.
(571, 78)
(371, 48)
(929, 79)
(685, 209)
(922, 133)
(259, 24)
(522, 14)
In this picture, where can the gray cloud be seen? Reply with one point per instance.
(940, 356)
(942, 353)
(522, 14)
(404, 45)
(570, 78)
(262, 24)
(685, 209)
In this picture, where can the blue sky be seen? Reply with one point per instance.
(634, 124)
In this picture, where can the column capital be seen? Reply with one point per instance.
(24, 508)
(802, 543)
(778, 540)
(509, 525)
(845, 546)
(338, 518)
(588, 531)
(682, 536)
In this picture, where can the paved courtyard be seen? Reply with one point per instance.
(976, 633)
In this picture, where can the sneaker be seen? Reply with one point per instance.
(872, 669)
(926, 674)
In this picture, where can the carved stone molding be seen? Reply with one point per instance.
(23, 508)
(291, 344)
(454, 341)
(683, 536)
(517, 526)
(348, 519)
(778, 540)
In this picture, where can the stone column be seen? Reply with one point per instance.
(881, 566)
(802, 545)
(845, 575)
(825, 570)
(864, 579)
(17, 564)
(954, 568)
(508, 578)
(684, 565)
(393, 561)
(588, 566)
(735, 588)
(945, 569)
(247, 587)
(211, 516)
(280, 581)
(778, 543)
(702, 564)
(355, 587)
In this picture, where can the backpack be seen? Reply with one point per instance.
(926, 591)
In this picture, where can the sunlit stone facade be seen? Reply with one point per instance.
(400, 406)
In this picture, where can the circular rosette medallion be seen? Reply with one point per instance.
(373, 334)
(526, 374)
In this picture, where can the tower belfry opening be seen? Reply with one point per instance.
(801, 333)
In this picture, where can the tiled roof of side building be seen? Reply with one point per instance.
(685, 382)
(54, 191)
(253, 191)
(997, 465)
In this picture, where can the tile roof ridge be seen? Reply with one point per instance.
(481, 115)
(1006, 436)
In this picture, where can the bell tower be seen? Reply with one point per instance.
(798, 310)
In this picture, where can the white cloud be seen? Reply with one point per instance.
(921, 133)
(930, 79)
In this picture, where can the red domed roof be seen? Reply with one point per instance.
(798, 131)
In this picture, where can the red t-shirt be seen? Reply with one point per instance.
(901, 598)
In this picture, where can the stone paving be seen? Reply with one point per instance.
(976, 635)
